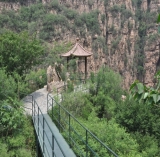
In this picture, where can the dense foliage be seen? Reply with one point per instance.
(129, 128)
(19, 52)
(38, 18)
(16, 131)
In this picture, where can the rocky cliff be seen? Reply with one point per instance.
(125, 37)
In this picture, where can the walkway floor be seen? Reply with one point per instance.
(54, 143)
(41, 98)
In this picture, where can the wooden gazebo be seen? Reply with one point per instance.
(80, 52)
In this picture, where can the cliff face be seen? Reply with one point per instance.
(130, 33)
(127, 40)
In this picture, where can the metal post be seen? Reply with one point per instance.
(59, 118)
(34, 112)
(32, 108)
(47, 102)
(70, 130)
(86, 143)
(32, 104)
(52, 145)
(37, 146)
(38, 121)
(43, 135)
(52, 108)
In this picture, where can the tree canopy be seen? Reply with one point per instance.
(19, 52)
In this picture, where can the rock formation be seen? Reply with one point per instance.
(127, 42)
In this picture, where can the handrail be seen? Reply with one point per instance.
(70, 128)
(45, 122)
(64, 87)
(36, 113)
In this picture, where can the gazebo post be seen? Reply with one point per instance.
(85, 68)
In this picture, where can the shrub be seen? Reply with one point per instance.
(11, 116)
(115, 9)
(103, 16)
(36, 79)
(144, 123)
(70, 13)
(6, 82)
(90, 20)
(77, 104)
(55, 4)
(152, 38)
(116, 42)
(101, 43)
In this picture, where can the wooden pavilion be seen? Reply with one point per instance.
(80, 52)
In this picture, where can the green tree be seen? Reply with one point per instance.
(19, 52)
(11, 116)
(7, 85)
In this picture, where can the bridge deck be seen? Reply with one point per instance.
(51, 141)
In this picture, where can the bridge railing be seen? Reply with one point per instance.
(83, 143)
(65, 86)
(46, 142)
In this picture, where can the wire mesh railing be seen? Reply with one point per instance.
(80, 139)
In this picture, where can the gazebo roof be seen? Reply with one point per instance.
(77, 50)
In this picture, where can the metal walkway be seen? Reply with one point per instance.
(51, 142)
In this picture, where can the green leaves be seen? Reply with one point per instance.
(140, 88)
(148, 95)
(7, 85)
(11, 116)
(158, 19)
(19, 52)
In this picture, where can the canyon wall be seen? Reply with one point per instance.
(128, 40)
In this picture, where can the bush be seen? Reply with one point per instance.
(108, 81)
(55, 4)
(3, 149)
(101, 43)
(109, 132)
(77, 104)
(36, 79)
(11, 117)
(21, 143)
(90, 20)
(6, 82)
(116, 42)
(70, 13)
(152, 39)
(115, 9)
(144, 123)
(148, 145)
